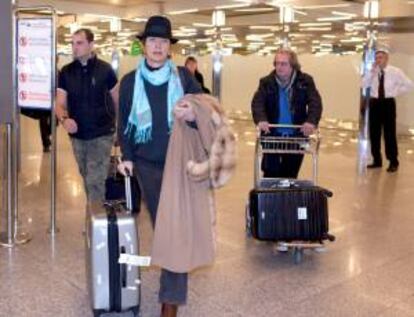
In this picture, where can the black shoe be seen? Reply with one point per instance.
(46, 149)
(392, 168)
(374, 165)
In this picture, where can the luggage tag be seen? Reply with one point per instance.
(284, 183)
(134, 260)
(302, 213)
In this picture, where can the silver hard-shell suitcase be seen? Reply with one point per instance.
(112, 231)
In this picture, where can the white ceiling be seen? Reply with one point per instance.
(145, 8)
(96, 13)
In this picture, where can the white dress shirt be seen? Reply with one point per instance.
(395, 82)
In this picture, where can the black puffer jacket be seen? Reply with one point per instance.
(305, 105)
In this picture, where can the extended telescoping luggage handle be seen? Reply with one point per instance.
(128, 191)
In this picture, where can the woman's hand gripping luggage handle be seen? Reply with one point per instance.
(125, 168)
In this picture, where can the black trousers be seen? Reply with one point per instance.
(382, 117)
(281, 165)
(173, 286)
(45, 129)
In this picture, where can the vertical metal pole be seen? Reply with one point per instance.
(53, 229)
(10, 196)
(115, 60)
(15, 149)
(286, 16)
(363, 137)
(217, 73)
(8, 240)
(218, 19)
(284, 42)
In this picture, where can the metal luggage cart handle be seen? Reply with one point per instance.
(286, 144)
(291, 126)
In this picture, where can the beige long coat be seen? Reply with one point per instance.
(197, 160)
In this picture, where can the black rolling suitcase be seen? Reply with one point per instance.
(292, 211)
(298, 211)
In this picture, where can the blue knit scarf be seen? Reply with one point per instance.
(140, 118)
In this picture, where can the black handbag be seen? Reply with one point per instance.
(115, 186)
(35, 113)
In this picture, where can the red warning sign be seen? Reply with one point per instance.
(35, 60)
(23, 77)
(23, 95)
(23, 41)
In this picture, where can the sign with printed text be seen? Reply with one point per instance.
(34, 63)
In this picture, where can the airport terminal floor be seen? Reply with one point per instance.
(367, 271)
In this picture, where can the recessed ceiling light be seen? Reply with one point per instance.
(341, 18)
(315, 29)
(329, 36)
(346, 14)
(231, 6)
(255, 10)
(203, 25)
(316, 24)
(182, 11)
(323, 6)
(264, 27)
(140, 20)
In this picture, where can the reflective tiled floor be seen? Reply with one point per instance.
(368, 271)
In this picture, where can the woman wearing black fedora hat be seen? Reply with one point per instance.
(147, 110)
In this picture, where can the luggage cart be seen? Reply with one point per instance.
(287, 144)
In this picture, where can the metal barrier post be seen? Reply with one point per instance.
(7, 240)
(363, 137)
(53, 228)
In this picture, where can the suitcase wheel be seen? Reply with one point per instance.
(248, 222)
(135, 311)
(97, 313)
(298, 255)
(331, 237)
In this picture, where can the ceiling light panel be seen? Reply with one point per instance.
(317, 7)
(183, 12)
(255, 10)
(232, 6)
(340, 18)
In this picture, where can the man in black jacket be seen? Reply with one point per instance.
(147, 110)
(286, 96)
(87, 97)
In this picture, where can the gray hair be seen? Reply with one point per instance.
(293, 57)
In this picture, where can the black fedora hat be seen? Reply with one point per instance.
(158, 26)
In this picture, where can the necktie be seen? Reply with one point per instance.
(381, 90)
